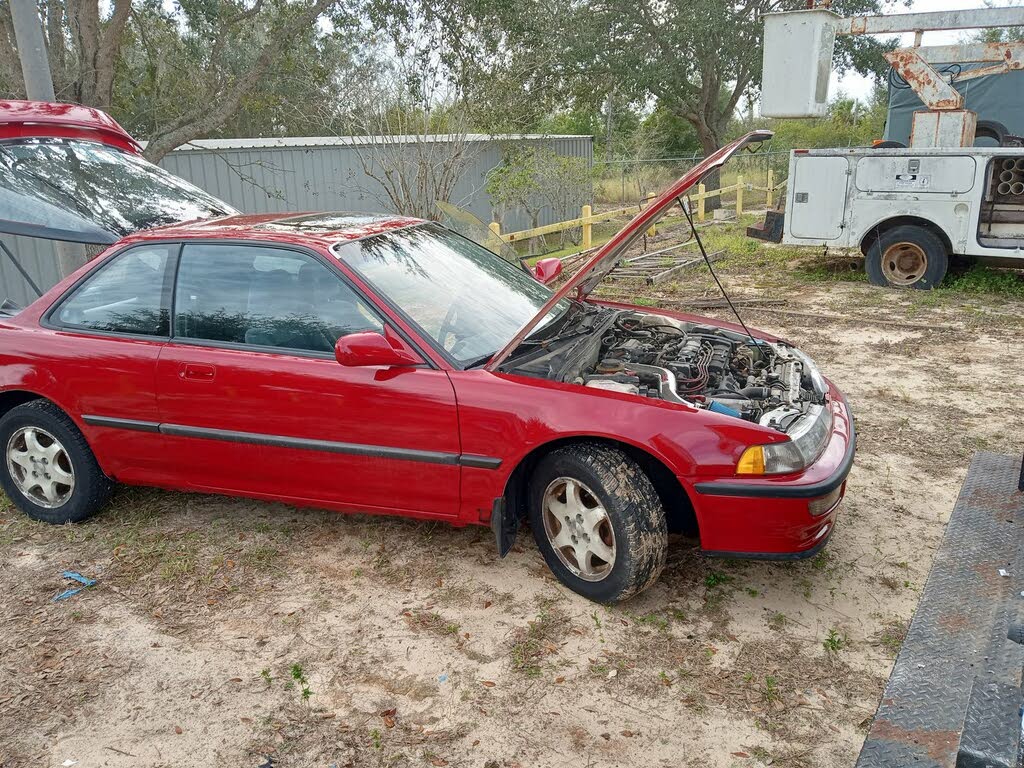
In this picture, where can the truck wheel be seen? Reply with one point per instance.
(48, 470)
(907, 256)
(598, 521)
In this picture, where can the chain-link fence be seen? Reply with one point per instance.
(626, 181)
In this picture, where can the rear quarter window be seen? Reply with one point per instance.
(129, 294)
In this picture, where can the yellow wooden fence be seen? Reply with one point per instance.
(588, 218)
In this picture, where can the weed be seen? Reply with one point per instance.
(299, 676)
(375, 739)
(715, 579)
(777, 621)
(531, 644)
(771, 692)
(835, 642)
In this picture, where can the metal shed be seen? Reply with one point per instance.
(302, 174)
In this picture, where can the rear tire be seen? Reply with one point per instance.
(47, 468)
(907, 256)
(598, 521)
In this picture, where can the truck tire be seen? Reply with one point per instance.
(48, 469)
(907, 256)
(598, 521)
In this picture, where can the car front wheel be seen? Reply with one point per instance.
(598, 521)
(48, 470)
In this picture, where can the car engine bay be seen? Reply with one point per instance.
(655, 356)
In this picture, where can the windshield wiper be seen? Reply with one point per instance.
(479, 361)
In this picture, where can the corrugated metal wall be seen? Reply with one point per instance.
(310, 178)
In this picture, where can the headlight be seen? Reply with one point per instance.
(807, 439)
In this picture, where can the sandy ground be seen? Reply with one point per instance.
(236, 633)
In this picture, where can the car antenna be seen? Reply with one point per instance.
(704, 253)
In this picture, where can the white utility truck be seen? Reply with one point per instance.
(908, 209)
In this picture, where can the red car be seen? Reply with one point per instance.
(385, 364)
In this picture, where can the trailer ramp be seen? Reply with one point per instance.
(954, 697)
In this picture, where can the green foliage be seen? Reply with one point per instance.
(834, 641)
(533, 178)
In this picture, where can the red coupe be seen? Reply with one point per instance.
(385, 364)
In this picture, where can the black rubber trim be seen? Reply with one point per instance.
(133, 424)
(765, 490)
(783, 557)
(301, 443)
(479, 462)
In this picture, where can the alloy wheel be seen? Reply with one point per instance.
(579, 529)
(40, 467)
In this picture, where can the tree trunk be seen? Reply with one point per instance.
(709, 143)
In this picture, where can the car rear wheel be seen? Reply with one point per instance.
(907, 256)
(48, 470)
(598, 521)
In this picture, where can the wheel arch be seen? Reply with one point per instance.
(876, 230)
(12, 398)
(679, 509)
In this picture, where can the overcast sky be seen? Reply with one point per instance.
(860, 87)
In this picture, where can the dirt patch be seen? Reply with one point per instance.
(222, 632)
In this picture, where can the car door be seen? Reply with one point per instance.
(252, 399)
(109, 329)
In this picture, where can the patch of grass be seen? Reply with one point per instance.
(656, 620)
(777, 621)
(433, 622)
(715, 579)
(985, 280)
(531, 644)
(892, 635)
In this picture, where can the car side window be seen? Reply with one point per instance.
(129, 294)
(265, 297)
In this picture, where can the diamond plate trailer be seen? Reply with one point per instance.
(954, 697)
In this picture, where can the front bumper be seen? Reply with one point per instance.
(787, 518)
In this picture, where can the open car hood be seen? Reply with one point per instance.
(72, 173)
(604, 261)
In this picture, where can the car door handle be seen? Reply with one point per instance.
(197, 372)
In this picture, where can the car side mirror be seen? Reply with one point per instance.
(547, 270)
(370, 348)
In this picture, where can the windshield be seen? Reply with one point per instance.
(468, 300)
(83, 187)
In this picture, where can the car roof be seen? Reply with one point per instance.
(322, 228)
(43, 119)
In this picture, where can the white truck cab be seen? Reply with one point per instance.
(908, 210)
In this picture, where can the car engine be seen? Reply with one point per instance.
(722, 370)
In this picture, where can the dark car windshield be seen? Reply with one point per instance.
(83, 186)
(467, 299)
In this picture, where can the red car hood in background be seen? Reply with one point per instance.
(604, 261)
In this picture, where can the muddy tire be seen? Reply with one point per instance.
(598, 521)
(47, 468)
(907, 256)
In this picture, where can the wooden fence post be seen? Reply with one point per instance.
(770, 192)
(700, 202)
(739, 195)
(495, 227)
(588, 228)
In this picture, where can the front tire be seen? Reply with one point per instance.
(598, 521)
(48, 469)
(907, 256)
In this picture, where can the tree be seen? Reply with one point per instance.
(534, 177)
(173, 74)
(695, 59)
